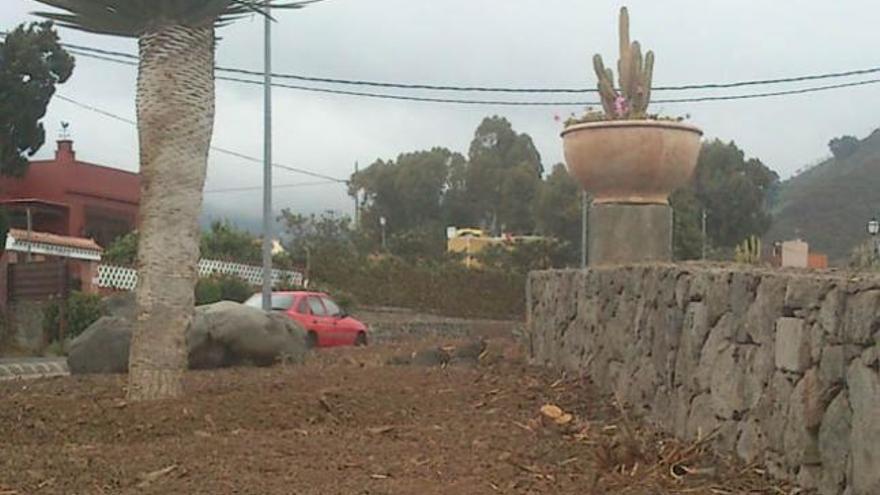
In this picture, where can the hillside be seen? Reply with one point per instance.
(829, 205)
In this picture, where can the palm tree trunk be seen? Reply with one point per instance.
(175, 109)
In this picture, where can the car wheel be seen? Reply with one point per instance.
(361, 339)
(312, 340)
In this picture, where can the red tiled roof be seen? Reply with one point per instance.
(55, 240)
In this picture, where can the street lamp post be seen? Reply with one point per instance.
(267, 157)
(873, 230)
(382, 223)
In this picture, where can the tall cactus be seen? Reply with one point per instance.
(749, 251)
(635, 77)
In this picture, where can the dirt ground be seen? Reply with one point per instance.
(348, 423)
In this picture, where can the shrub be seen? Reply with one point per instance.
(222, 287)
(81, 310)
(443, 287)
(123, 251)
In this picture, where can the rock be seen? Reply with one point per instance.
(716, 343)
(832, 367)
(871, 356)
(805, 293)
(808, 477)
(431, 357)
(701, 420)
(120, 304)
(814, 400)
(801, 446)
(728, 397)
(102, 347)
(831, 314)
(834, 439)
(760, 319)
(772, 408)
(864, 396)
(222, 334)
(227, 333)
(792, 345)
(861, 313)
(469, 353)
(738, 379)
(691, 340)
(751, 443)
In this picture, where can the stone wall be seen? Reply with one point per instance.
(394, 324)
(782, 366)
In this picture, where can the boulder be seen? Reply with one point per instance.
(121, 304)
(221, 334)
(227, 333)
(101, 348)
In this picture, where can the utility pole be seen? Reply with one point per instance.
(357, 201)
(267, 156)
(584, 207)
(705, 239)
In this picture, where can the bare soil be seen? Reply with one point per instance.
(348, 423)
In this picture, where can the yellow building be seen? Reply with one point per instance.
(471, 242)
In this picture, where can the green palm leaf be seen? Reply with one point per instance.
(131, 18)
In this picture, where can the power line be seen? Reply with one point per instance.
(277, 186)
(421, 86)
(218, 149)
(461, 101)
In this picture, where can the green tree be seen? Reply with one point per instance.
(32, 63)
(558, 210)
(325, 244)
(687, 231)
(175, 113)
(843, 147)
(735, 192)
(223, 241)
(503, 172)
(409, 192)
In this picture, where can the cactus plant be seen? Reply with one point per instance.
(635, 74)
(749, 251)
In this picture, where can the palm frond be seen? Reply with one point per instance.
(131, 18)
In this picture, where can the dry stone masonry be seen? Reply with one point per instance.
(781, 366)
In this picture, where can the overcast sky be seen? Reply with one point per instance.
(518, 43)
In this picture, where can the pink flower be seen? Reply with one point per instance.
(620, 106)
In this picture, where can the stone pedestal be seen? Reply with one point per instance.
(629, 233)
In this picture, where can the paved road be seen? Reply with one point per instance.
(29, 368)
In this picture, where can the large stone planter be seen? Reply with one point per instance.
(630, 168)
(631, 161)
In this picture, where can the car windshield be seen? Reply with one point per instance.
(332, 307)
(279, 301)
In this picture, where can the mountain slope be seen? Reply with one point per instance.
(830, 205)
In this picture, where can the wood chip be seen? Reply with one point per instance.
(551, 411)
(380, 430)
(524, 427)
(149, 478)
(564, 419)
(380, 476)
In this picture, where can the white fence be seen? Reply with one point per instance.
(124, 278)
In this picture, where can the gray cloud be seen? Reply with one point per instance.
(488, 42)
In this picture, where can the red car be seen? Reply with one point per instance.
(326, 323)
